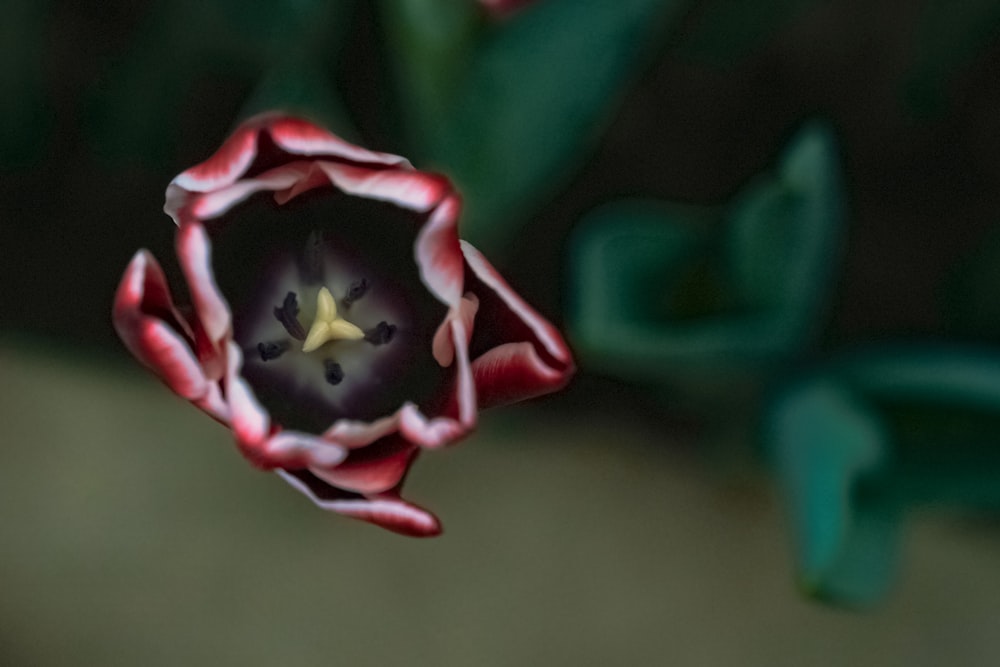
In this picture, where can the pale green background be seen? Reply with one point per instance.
(134, 534)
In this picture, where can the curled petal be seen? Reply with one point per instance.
(387, 510)
(372, 469)
(540, 328)
(443, 345)
(301, 137)
(151, 328)
(195, 253)
(407, 421)
(430, 433)
(514, 372)
(352, 433)
(408, 189)
(224, 167)
(465, 387)
(250, 422)
(292, 449)
(213, 204)
(439, 254)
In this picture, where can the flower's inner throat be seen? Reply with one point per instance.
(330, 309)
(329, 328)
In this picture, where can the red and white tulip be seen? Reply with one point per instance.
(337, 323)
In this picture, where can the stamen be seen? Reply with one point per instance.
(332, 371)
(287, 313)
(355, 292)
(381, 334)
(328, 324)
(273, 350)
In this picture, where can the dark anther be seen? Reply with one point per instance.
(381, 334)
(355, 292)
(332, 371)
(269, 351)
(288, 314)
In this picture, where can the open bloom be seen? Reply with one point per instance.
(338, 325)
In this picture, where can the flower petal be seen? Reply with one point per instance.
(213, 204)
(439, 254)
(443, 344)
(514, 372)
(195, 253)
(250, 421)
(293, 449)
(540, 328)
(386, 510)
(414, 190)
(353, 433)
(373, 469)
(226, 164)
(147, 321)
(430, 433)
(301, 137)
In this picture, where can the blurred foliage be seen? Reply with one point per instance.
(827, 448)
(183, 43)
(873, 434)
(509, 109)
(665, 296)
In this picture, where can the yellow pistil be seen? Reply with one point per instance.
(328, 325)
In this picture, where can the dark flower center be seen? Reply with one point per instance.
(329, 308)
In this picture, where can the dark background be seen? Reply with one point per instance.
(923, 173)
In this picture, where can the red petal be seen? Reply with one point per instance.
(215, 203)
(407, 188)
(292, 449)
(439, 254)
(150, 326)
(373, 469)
(387, 510)
(225, 166)
(251, 423)
(195, 253)
(514, 372)
(431, 433)
(541, 329)
(443, 344)
(303, 138)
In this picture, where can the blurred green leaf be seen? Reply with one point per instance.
(25, 114)
(184, 43)
(950, 36)
(875, 433)
(433, 42)
(825, 446)
(527, 98)
(647, 245)
(949, 375)
(783, 232)
(725, 301)
(726, 30)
